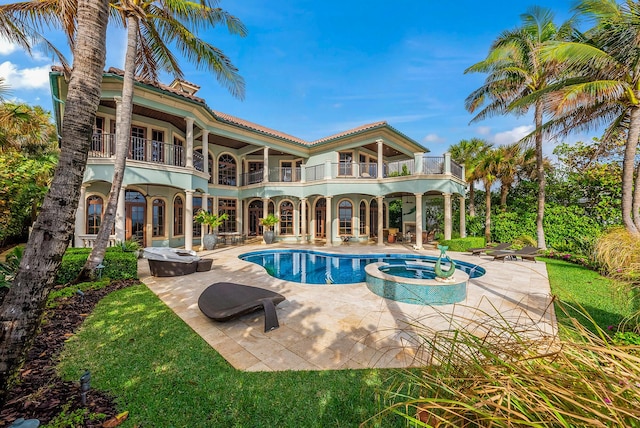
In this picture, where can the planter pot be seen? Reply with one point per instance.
(209, 241)
(391, 238)
(269, 236)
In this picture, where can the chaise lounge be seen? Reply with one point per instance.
(164, 261)
(499, 247)
(527, 253)
(223, 301)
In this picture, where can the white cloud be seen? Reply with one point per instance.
(483, 130)
(513, 135)
(433, 138)
(26, 78)
(6, 47)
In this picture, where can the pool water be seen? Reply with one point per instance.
(410, 271)
(314, 267)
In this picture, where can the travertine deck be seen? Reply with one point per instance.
(344, 326)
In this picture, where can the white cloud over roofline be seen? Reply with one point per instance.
(25, 78)
(513, 135)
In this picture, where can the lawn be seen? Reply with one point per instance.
(166, 375)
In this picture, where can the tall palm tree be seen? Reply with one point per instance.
(603, 88)
(26, 128)
(467, 152)
(153, 28)
(487, 170)
(515, 69)
(24, 304)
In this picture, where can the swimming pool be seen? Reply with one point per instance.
(315, 267)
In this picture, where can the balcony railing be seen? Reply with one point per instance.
(253, 177)
(140, 149)
(285, 175)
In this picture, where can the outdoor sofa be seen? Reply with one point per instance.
(164, 261)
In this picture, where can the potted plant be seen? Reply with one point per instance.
(214, 221)
(268, 222)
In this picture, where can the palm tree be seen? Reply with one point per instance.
(516, 69)
(152, 28)
(24, 304)
(514, 161)
(487, 171)
(26, 128)
(467, 152)
(603, 88)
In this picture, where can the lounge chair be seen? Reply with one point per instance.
(499, 247)
(223, 301)
(527, 253)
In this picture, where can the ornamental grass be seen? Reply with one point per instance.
(500, 372)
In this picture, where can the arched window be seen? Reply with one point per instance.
(373, 218)
(286, 218)
(226, 170)
(363, 218)
(345, 215)
(178, 216)
(158, 217)
(94, 214)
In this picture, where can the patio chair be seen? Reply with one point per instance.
(527, 253)
(223, 301)
(499, 247)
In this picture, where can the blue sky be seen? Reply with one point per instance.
(313, 69)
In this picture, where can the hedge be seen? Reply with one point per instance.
(463, 244)
(118, 264)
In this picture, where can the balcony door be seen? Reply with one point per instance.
(255, 214)
(135, 209)
(321, 217)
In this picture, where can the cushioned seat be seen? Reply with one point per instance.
(223, 301)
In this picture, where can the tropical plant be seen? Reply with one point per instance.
(602, 88)
(27, 129)
(212, 220)
(504, 372)
(154, 28)
(23, 305)
(515, 69)
(269, 221)
(467, 152)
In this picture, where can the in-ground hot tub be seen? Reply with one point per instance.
(415, 283)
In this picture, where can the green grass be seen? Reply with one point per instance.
(606, 301)
(166, 375)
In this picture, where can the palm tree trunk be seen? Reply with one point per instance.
(542, 181)
(630, 200)
(504, 192)
(487, 215)
(123, 138)
(24, 304)
(472, 200)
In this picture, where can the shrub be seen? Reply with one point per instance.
(463, 244)
(475, 225)
(118, 264)
(618, 254)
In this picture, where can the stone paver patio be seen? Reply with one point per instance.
(345, 326)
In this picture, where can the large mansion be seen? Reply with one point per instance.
(183, 156)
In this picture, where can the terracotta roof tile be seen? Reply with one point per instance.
(351, 131)
(254, 126)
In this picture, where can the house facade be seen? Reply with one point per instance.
(183, 156)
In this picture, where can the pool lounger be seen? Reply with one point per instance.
(223, 301)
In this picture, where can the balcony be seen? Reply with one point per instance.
(140, 149)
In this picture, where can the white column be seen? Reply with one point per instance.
(205, 150)
(245, 216)
(380, 160)
(265, 165)
(189, 133)
(81, 217)
(463, 218)
(419, 220)
(303, 219)
(113, 141)
(328, 228)
(417, 160)
(380, 226)
(265, 212)
(188, 220)
(121, 215)
(447, 163)
(148, 232)
(447, 216)
(205, 228)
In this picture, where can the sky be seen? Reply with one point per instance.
(313, 69)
